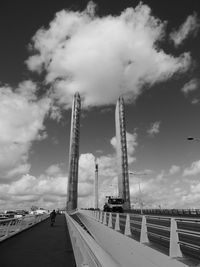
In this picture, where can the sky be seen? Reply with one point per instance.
(147, 52)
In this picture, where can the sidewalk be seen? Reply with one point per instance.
(39, 246)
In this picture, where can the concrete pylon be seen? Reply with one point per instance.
(72, 190)
(123, 173)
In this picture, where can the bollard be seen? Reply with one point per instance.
(99, 213)
(110, 220)
(127, 226)
(143, 234)
(117, 228)
(174, 247)
(104, 218)
(101, 217)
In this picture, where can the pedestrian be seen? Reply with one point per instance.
(52, 217)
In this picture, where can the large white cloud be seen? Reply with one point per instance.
(21, 122)
(103, 57)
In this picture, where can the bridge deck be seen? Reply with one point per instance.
(41, 246)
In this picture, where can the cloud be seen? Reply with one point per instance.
(161, 176)
(42, 191)
(189, 27)
(131, 140)
(21, 122)
(193, 169)
(174, 169)
(195, 101)
(86, 167)
(154, 129)
(190, 86)
(20, 169)
(103, 57)
(49, 189)
(190, 89)
(54, 170)
(27, 89)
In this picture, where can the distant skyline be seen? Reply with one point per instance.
(147, 52)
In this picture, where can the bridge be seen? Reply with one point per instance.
(97, 238)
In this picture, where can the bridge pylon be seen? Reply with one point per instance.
(72, 189)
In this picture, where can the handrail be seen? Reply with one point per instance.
(124, 250)
(86, 250)
(12, 226)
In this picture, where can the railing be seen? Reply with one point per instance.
(10, 227)
(176, 235)
(168, 212)
(105, 242)
(87, 252)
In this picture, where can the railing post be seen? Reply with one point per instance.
(8, 228)
(19, 224)
(117, 228)
(101, 217)
(174, 247)
(98, 215)
(143, 234)
(127, 227)
(104, 218)
(110, 220)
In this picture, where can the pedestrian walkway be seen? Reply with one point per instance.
(41, 246)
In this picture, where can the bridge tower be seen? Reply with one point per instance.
(72, 189)
(96, 187)
(123, 173)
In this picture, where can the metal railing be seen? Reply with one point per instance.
(12, 226)
(102, 239)
(168, 212)
(176, 235)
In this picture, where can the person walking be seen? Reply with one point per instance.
(53, 217)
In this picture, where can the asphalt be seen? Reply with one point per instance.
(39, 246)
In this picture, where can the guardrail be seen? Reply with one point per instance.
(86, 251)
(101, 243)
(168, 212)
(10, 227)
(176, 235)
